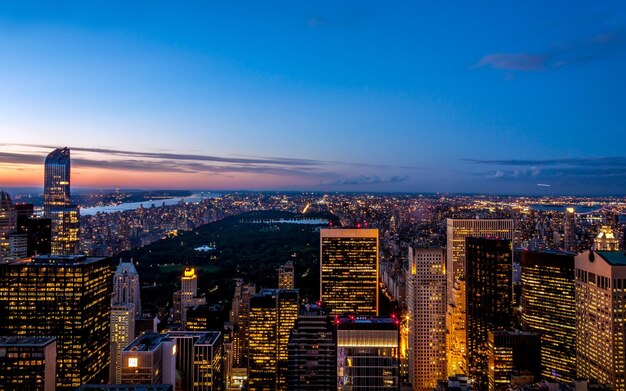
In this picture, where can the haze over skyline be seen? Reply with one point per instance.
(490, 98)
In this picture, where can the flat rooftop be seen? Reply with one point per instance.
(204, 337)
(366, 322)
(146, 342)
(615, 258)
(57, 260)
(26, 341)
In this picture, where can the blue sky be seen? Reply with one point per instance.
(482, 97)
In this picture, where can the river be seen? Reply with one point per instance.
(196, 197)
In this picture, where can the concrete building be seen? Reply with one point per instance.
(149, 359)
(28, 363)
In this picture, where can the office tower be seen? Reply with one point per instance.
(569, 230)
(239, 318)
(549, 308)
(150, 359)
(56, 191)
(8, 224)
(28, 363)
(126, 288)
(427, 304)
(273, 313)
(606, 240)
(18, 246)
(63, 296)
(286, 276)
(600, 316)
(312, 363)
(457, 231)
(65, 225)
(205, 317)
(368, 351)
(187, 296)
(121, 335)
(38, 232)
(349, 271)
(513, 351)
(200, 359)
(489, 269)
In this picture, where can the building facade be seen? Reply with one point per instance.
(549, 308)
(457, 231)
(200, 359)
(63, 296)
(427, 304)
(601, 317)
(28, 363)
(513, 352)
(149, 359)
(349, 271)
(286, 276)
(121, 335)
(126, 288)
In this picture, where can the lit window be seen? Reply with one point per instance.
(132, 362)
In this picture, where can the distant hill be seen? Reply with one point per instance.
(244, 247)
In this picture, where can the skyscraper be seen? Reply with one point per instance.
(569, 230)
(8, 224)
(273, 313)
(312, 363)
(121, 335)
(349, 271)
(126, 288)
(549, 308)
(513, 350)
(63, 296)
(149, 359)
(426, 302)
(606, 240)
(489, 272)
(57, 206)
(368, 351)
(457, 231)
(188, 294)
(601, 317)
(56, 187)
(200, 359)
(240, 319)
(286, 276)
(28, 363)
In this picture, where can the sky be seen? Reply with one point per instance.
(466, 97)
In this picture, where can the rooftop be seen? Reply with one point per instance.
(26, 341)
(367, 322)
(126, 387)
(60, 260)
(146, 342)
(204, 337)
(615, 258)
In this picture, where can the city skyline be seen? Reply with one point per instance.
(494, 98)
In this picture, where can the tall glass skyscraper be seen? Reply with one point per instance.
(56, 191)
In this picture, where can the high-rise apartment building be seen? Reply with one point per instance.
(349, 271)
(121, 335)
(513, 351)
(368, 353)
(56, 187)
(427, 304)
(63, 296)
(569, 230)
(65, 227)
(457, 231)
(28, 363)
(601, 317)
(549, 308)
(489, 273)
(312, 363)
(187, 295)
(606, 240)
(126, 288)
(286, 275)
(239, 318)
(273, 313)
(8, 225)
(200, 359)
(150, 359)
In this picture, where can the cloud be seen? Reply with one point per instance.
(558, 55)
(613, 161)
(316, 21)
(368, 180)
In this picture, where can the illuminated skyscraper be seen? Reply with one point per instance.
(569, 230)
(368, 351)
(121, 335)
(606, 240)
(8, 224)
(457, 231)
(489, 272)
(188, 294)
(126, 288)
(200, 359)
(349, 271)
(286, 276)
(601, 317)
(426, 302)
(513, 350)
(273, 313)
(28, 363)
(548, 308)
(150, 359)
(312, 352)
(239, 318)
(63, 296)
(56, 187)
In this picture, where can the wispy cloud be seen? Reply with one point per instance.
(368, 180)
(558, 55)
(613, 161)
